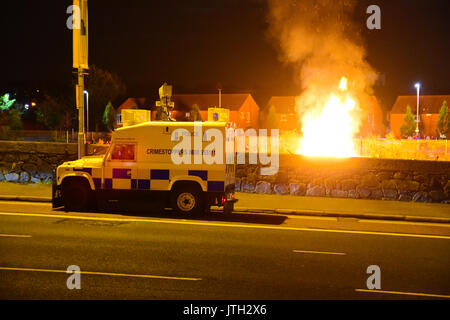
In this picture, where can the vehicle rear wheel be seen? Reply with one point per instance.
(228, 207)
(186, 200)
(76, 195)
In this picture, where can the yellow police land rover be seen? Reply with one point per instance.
(175, 162)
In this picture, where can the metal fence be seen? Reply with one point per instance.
(404, 149)
(52, 136)
(437, 150)
(367, 147)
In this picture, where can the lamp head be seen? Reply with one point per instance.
(417, 85)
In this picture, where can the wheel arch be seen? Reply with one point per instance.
(189, 180)
(78, 176)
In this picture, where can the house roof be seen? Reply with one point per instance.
(140, 103)
(287, 104)
(427, 104)
(232, 101)
(283, 104)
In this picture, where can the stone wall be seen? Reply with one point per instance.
(363, 178)
(23, 161)
(359, 178)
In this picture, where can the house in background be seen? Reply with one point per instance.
(244, 111)
(372, 117)
(288, 119)
(133, 103)
(285, 112)
(429, 107)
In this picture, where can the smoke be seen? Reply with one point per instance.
(322, 42)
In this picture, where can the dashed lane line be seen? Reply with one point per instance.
(405, 293)
(231, 225)
(102, 274)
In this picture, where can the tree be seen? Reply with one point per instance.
(194, 113)
(9, 117)
(409, 126)
(103, 87)
(15, 120)
(5, 103)
(271, 118)
(109, 116)
(54, 113)
(443, 123)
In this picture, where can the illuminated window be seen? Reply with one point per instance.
(242, 116)
(248, 116)
(123, 152)
(283, 118)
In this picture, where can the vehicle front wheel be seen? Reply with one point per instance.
(76, 195)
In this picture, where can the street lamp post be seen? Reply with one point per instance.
(417, 118)
(87, 113)
(80, 62)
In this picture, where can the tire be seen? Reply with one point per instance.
(228, 208)
(76, 195)
(187, 200)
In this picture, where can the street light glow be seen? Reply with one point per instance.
(417, 85)
(87, 110)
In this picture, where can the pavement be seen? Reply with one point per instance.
(285, 204)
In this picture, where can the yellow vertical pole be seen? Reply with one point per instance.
(80, 105)
(80, 62)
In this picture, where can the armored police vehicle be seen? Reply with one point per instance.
(143, 161)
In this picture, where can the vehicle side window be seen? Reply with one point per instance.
(123, 151)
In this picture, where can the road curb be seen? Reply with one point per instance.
(25, 198)
(304, 212)
(337, 214)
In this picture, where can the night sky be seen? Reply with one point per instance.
(194, 45)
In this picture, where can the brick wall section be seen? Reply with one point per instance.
(360, 178)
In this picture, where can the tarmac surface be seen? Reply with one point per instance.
(286, 204)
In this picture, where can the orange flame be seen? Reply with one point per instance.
(329, 132)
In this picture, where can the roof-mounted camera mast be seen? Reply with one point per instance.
(165, 105)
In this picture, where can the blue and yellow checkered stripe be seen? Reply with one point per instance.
(152, 179)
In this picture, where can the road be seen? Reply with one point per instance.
(152, 254)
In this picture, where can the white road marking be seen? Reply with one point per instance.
(320, 252)
(103, 274)
(405, 293)
(230, 225)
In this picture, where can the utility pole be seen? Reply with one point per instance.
(80, 62)
(80, 106)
